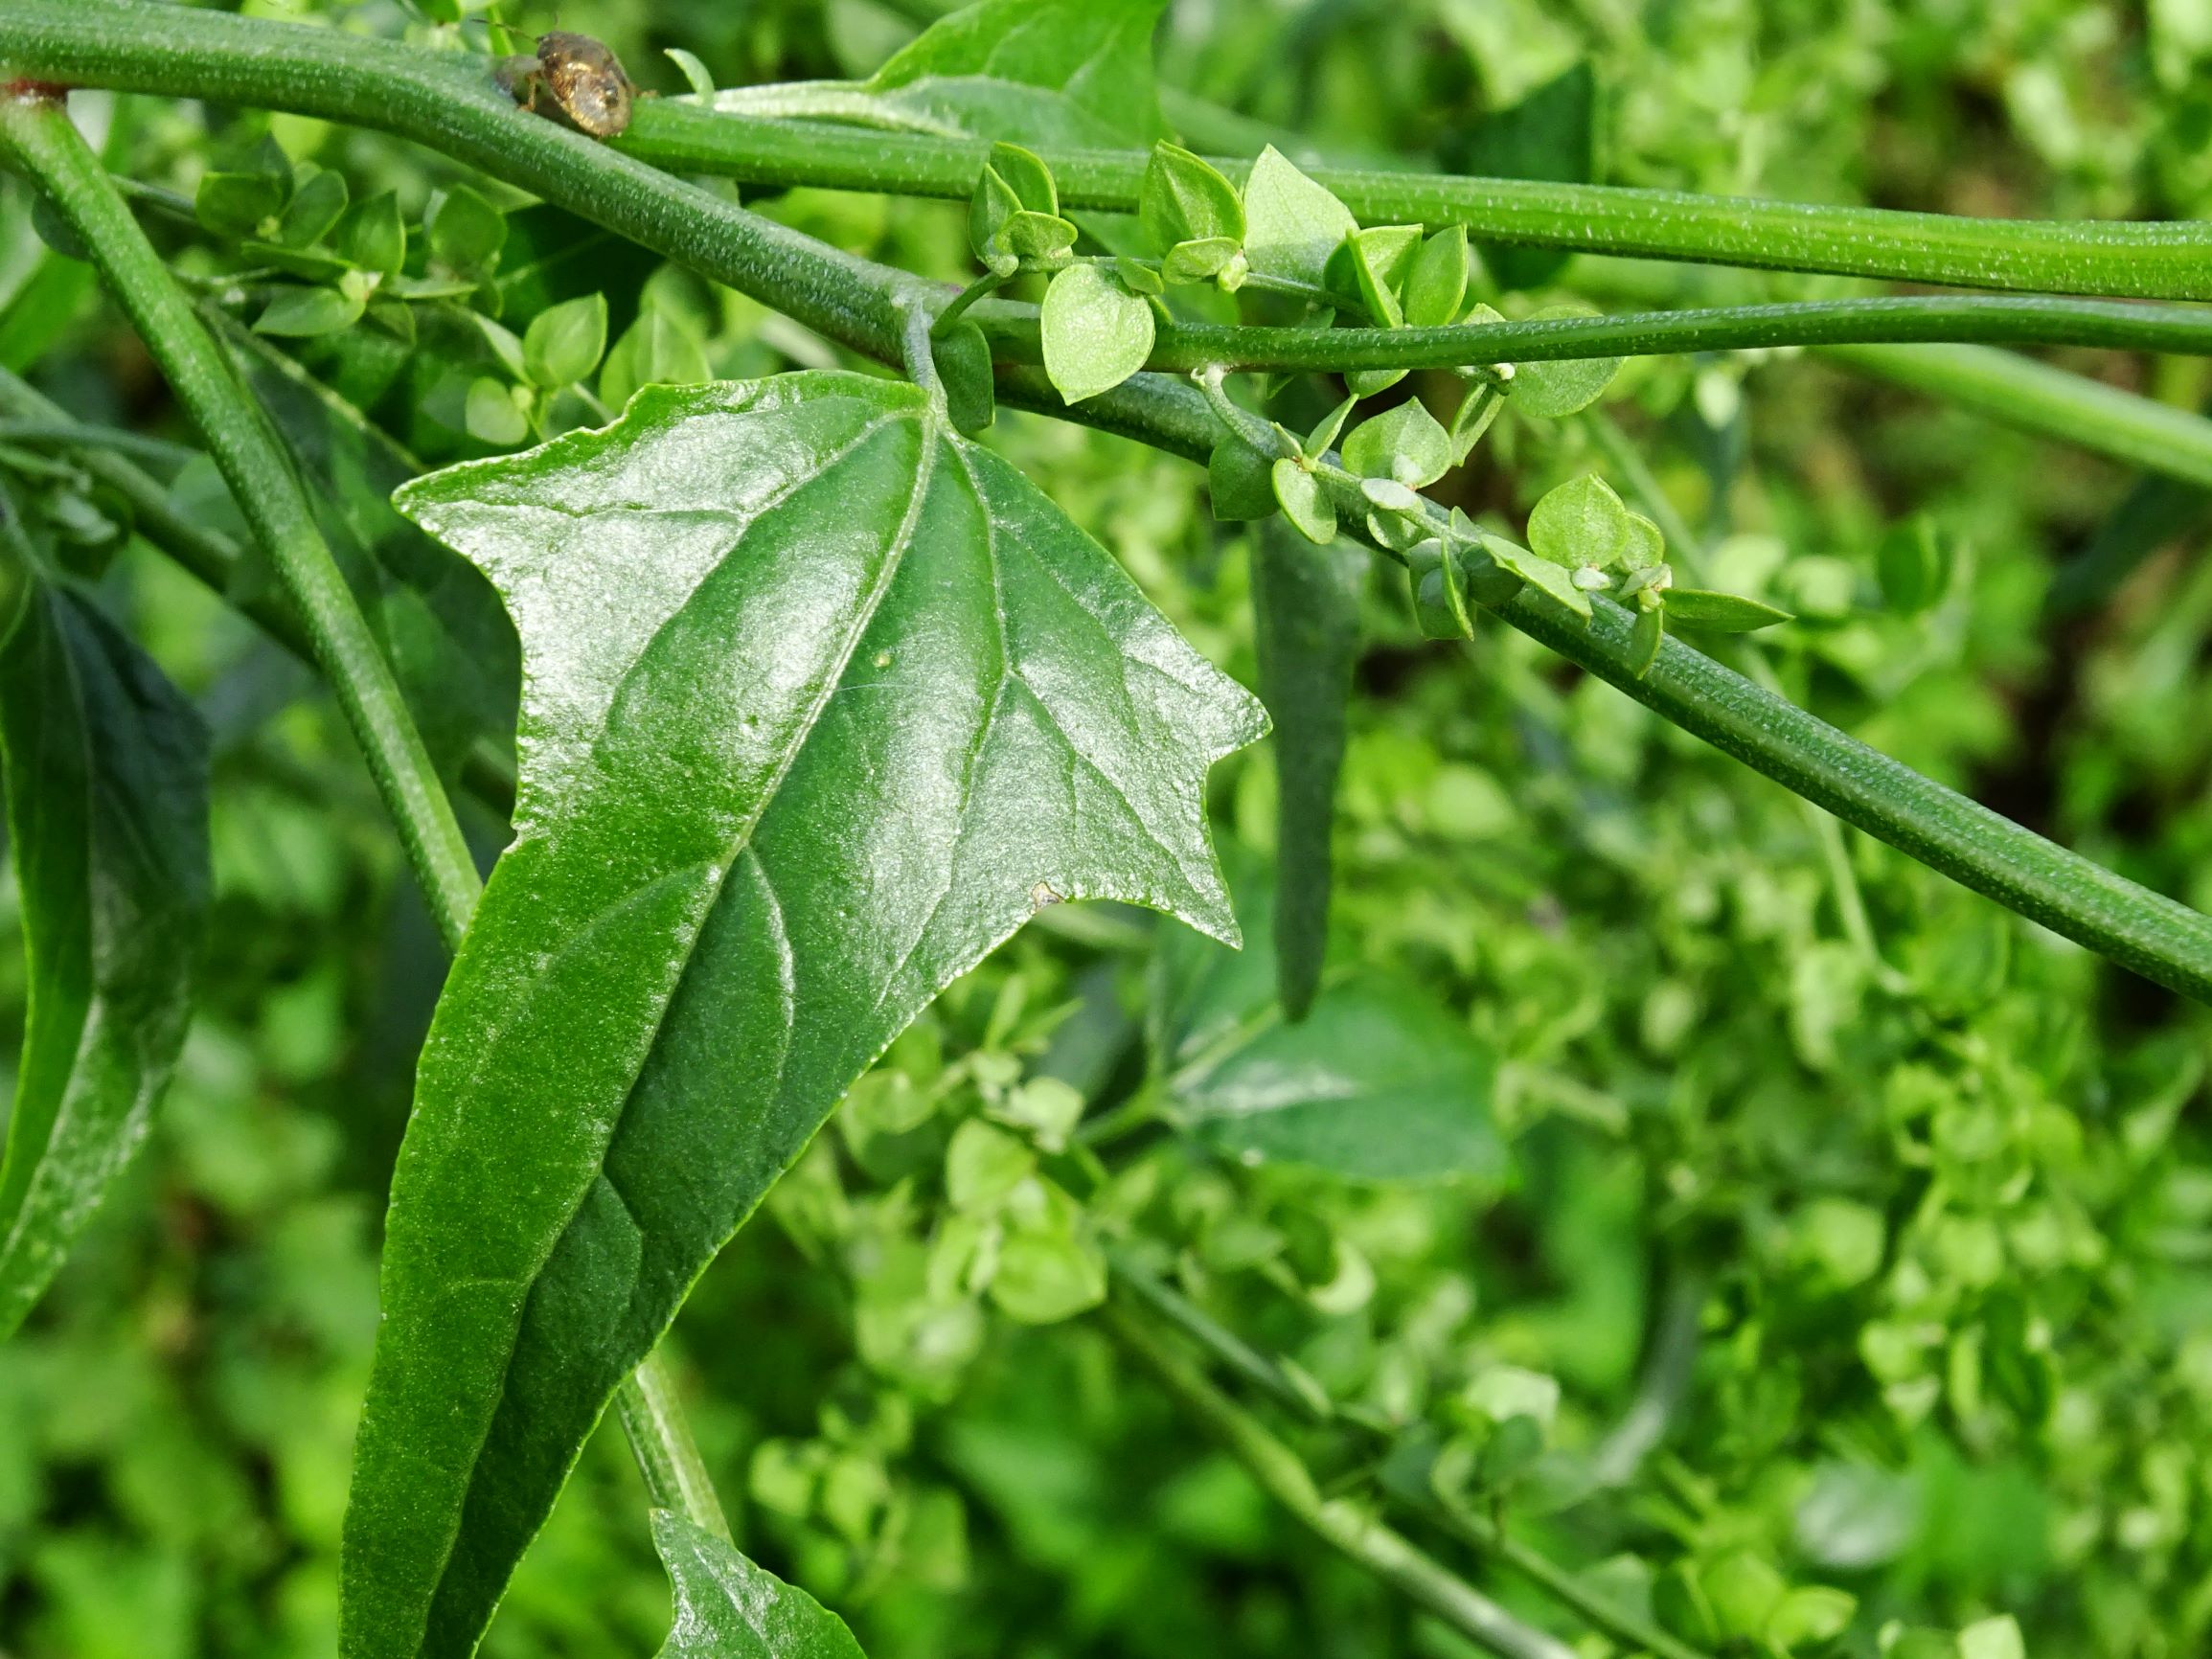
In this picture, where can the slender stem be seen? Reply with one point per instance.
(76, 434)
(660, 1439)
(1488, 1537)
(2141, 930)
(207, 554)
(451, 102)
(36, 130)
(319, 72)
(1390, 1555)
(1013, 334)
(1686, 551)
(1259, 1370)
(212, 559)
(2049, 402)
(2165, 260)
(982, 289)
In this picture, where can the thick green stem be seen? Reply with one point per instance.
(455, 107)
(36, 130)
(2142, 930)
(2050, 402)
(1013, 334)
(1344, 1527)
(450, 101)
(2168, 262)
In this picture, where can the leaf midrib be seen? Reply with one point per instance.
(739, 845)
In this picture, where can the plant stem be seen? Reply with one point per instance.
(1013, 334)
(2141, 930)
(2166, 260)
(2050, 402)
(1283, 1476)
(192, 53)
(660, 1439)
(451, 102)
(1175, 1308)
(36, 130)
(1686, 551)
(39, 434)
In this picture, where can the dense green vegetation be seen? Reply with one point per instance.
(1609, 1205)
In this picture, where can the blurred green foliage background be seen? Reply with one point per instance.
(1889, 1272)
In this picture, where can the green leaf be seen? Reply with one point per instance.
(1239, 481)
(1025, 173)
(1304, 501)
(1052, 73)
(727, 1607)
(1323, 437)
(1292, 226)
(1096, 333)
(657, 350)
(1404, 443)
(1186, 199)
(1371, 267)
(1197, 261)
(1436, 280)
(1644, 643)
(1561, 388)
(1721, 613)
(962, 359)
(305, 312)
(1306, 626)
(1043, 236)
(106, 777)
(492, 414)
(314, 208)
(563, 342)
(1581, 522)
(1376, 1082)
(1812, 1614)
(818, 697)
(236, 204)
(374, 236)
(1914, 565)
(466, 231)
(1534, 568)
(1439, 582)
(1551, 134)
(992, 202)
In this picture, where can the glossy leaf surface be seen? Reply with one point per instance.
(1037, 72)
(821, 701)
(728, 1607)
(1377, 1083)
(106, 782)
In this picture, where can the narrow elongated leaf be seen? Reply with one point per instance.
(1377, 1083)
(821, 702)
(1305, 614)
(728, 1607)
(107, 780)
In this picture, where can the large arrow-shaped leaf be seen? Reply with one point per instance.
(820, 702)
(107, 776)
